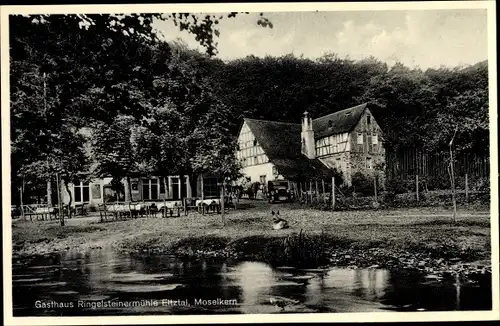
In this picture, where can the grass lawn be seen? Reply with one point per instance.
(417, 230)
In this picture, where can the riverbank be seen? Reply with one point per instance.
(421, 238)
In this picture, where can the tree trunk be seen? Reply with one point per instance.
(165, 184)
(49, 193)
(222, 195)
(61, 213)
(70, 201)
(128, 190)
(181, 182)
(452, 175)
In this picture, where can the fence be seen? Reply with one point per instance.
(407, 163)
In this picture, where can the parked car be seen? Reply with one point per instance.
(278, 191)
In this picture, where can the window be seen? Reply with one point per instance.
(162, 186)
(368, 119)
(360, 138)
(81, 191)
(275, 170)
(330, 124)
(150, 189)
(374, 139)
(210, 188)
(96, 191)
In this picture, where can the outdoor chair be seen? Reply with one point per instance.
(81, 209)
(189, 204)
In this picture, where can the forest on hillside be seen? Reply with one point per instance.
(415, 108)
(151, 107)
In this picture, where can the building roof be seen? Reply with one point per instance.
(338, 122)
(277, 139)
(282, 145)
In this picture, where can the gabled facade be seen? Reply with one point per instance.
(348, 141)
(270, 150)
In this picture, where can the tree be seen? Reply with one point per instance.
(94, 75)
(113, 152)
(181, 124)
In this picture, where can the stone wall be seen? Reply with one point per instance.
(367, 158)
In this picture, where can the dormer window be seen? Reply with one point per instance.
(255, 142)
(368, 119)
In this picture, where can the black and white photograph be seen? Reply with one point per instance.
(335, 161)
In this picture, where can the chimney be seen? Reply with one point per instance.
(307, 137)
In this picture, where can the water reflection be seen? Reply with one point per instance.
(248, 287)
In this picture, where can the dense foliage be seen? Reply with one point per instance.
(160, 108)
(415, 107)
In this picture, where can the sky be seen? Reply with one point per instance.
(417, 38)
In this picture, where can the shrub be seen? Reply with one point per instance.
(389, 197)
(400, 186)
(362, 184)
(482, 184)
(438, 183)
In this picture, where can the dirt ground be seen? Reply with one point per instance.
(402, 229)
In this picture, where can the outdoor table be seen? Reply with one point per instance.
(169, 204)
(205, 204)
(44, 210)
(208, 201)
(169, 207)
(117, 208)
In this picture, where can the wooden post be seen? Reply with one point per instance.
(61, 213)
(21, 191)
(317, 192)
(333, 193)
(416, 185)
(202, 195)
(222, 205)
(311, 191)
(466, 187)
(164, 210)
(324, 192)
